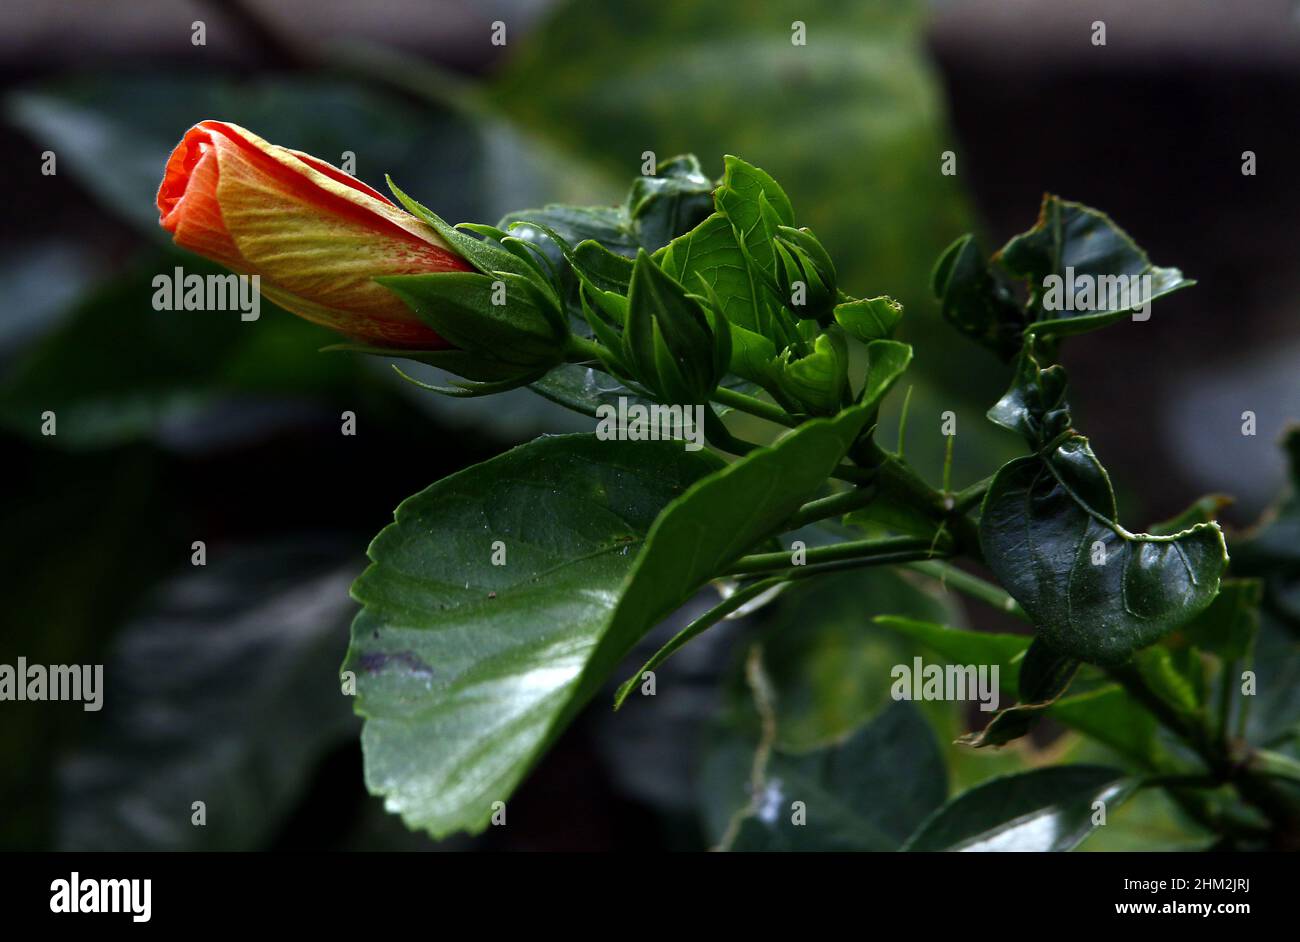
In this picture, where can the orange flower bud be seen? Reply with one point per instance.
(316, 236)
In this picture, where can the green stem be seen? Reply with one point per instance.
(968, 497)
(697, 627)
(720, 436)
(833, 506)
(896, 549)
(897, 481)
(973, 586)
(756, 407)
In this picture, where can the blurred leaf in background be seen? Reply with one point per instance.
(224, 690)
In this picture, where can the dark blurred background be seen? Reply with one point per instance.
(177, 427)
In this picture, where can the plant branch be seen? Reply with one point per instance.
(891, 549)
(971, 585)
(833, 506)
(756, 407)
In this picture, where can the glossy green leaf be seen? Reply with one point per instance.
(1043, 810)
(675, 199)
(606, 225)
(1070, 239)
(1035, 404)
(974, 299)
(1095, 591)
(467, 671)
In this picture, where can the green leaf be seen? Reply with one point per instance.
(743, 186)
(1275, 715)
(1035, 404)
(1072, 239)
(724, 516)
(709, 256)
(1113, 718)
(870, 318)
(756, 206)
(961, 646)
(975, 301)
(820, 651)
(1202, 510)
(467, 671)
(819, 381)
(1174, 678)
(1227, 628)
(1271, 549)
(676, 199)
(1095, 591)
(605, 225)
(584, 389)
(864, 794)
(1043, 810)
(1045, 675)
(180, 682)
(753, 356)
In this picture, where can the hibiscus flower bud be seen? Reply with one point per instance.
(804, 273)
(316, 236)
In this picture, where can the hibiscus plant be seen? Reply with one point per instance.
(501, 600)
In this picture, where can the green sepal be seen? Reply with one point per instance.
(482, 254)
(527, 332)
(668, 340)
